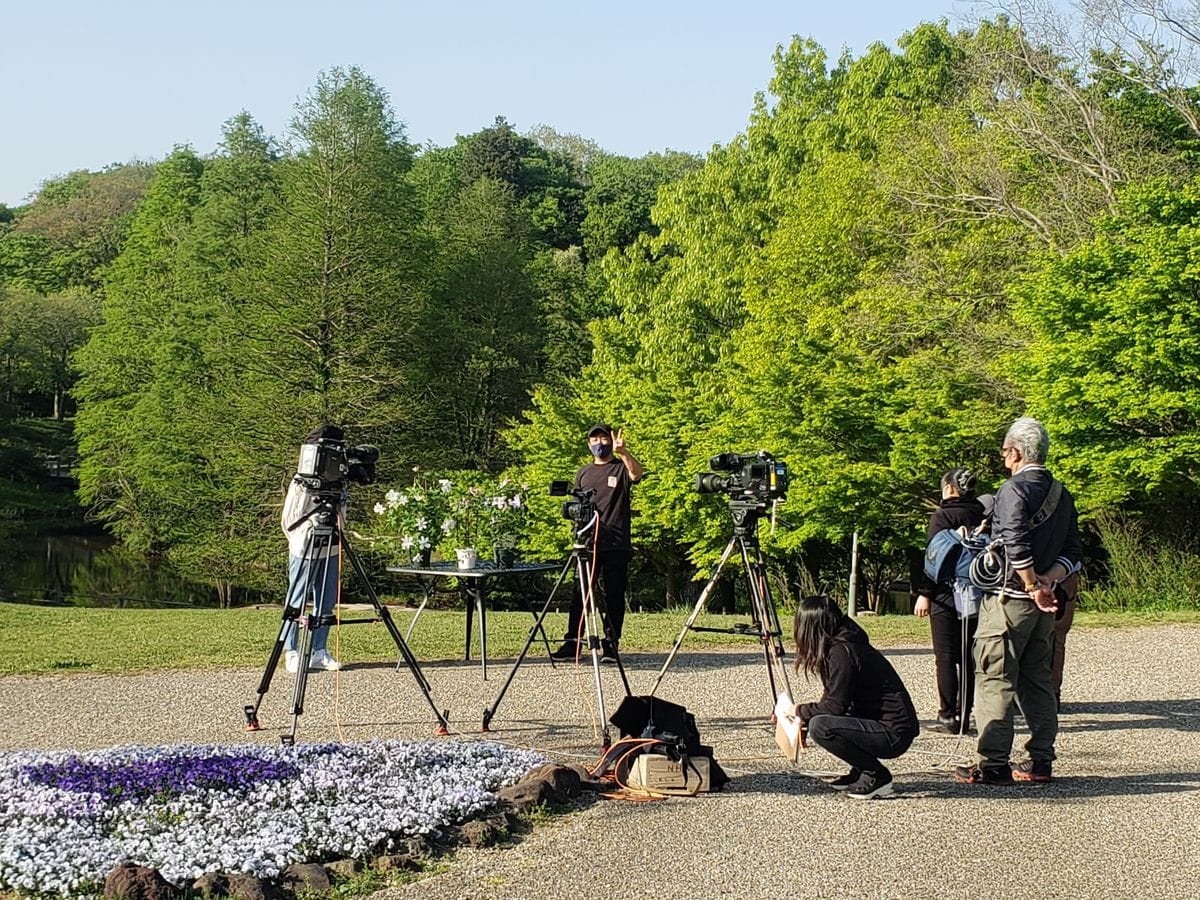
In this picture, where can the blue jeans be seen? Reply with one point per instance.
(320, 576)
(859, 742)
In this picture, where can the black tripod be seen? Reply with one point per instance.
(595, 621)
(325, 527)
(764, 618)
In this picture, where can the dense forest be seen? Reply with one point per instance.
(902, 252)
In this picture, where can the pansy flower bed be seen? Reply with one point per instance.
(66, 819)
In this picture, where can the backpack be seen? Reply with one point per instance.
(948, 559)
(980, 564)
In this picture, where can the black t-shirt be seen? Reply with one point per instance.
(611, 483)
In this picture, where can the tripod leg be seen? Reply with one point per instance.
(687, 626)
(537, 626)
(386, 617)
(766, 619)
(590, 629)
(314, 586)
(290, 614)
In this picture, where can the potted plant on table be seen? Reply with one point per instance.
(463, 525)
(505, 512)
(413, 519)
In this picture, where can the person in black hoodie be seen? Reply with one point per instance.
(865, 713)
(953, 633)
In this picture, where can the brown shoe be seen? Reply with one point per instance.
(1032, 770)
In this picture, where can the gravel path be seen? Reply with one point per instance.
(1121, 819)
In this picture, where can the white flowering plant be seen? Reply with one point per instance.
(413, 520)
(505, 512)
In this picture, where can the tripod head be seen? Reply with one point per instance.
(325, 496)
(745, 515)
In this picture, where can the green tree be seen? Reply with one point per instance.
(1112, 360)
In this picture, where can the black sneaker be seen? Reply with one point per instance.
(566, 651)
(983, 774)
(945, 725)
(608, 653)
(845, 782)
(1032, 770)
(871, 786)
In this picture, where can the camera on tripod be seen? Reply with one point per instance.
(579, 510)
(326, 463)
(748, 476)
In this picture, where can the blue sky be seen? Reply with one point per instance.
(85, 84)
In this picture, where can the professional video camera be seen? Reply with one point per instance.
(749, 476)
(581, 509)
(326, 463)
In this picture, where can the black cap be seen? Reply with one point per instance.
(325, 433)
(601, 428)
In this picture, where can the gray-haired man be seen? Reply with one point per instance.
(1035, 519)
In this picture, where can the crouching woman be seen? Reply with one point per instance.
(865, 713)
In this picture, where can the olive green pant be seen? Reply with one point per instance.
(1014, 650)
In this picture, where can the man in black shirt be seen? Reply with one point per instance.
(610, 474)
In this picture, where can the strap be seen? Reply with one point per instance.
(1048, 505)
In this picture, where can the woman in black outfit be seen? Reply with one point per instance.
(865, 713)
(952, 636)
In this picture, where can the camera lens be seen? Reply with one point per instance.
(710, 483)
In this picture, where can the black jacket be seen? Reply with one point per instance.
(859, 682)
(1017, 501)
(954, 513)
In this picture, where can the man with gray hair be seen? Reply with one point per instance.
(1035, 520)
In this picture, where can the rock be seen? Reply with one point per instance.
(304, 877)
(236, 885)
(563, 779)
(396, 862)
(525, 796)
(587, 781)
(344, 868)
(131, 882)
(484, 832)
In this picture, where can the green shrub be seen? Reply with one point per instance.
(1145, 572)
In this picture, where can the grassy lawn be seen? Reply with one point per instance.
(56, 640)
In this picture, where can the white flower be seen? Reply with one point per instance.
(422, 523)
(392, 497)
(407, 542)
(445, 485)
(380, 508)
(448, 526)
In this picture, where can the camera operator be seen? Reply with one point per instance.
(313, 564)
(610, 475)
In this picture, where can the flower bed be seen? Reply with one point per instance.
(66, 819)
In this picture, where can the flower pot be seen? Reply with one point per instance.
(423, 557)
(466, 557)
(504, 557)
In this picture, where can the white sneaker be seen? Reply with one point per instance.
(291, 661)
(322, 660)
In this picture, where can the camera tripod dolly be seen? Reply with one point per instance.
(595, 622)
(326, 527)
(764, 618)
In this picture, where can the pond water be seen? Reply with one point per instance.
(88, 567)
